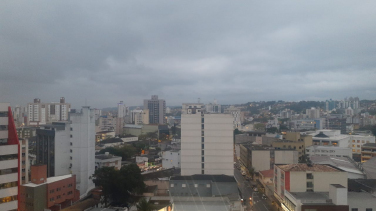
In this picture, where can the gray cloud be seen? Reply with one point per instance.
(234, 51)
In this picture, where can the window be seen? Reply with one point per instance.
(71, 151)
(196, 185)
(202, 159)
(71, 129)
(202, 139)
(183, 185)
(202, 152)
(172, 185)
(202, 126)
(52, 199)
(208, 185)
(368, 209)
(202, 146)
(354, 209)
(202, 133)
(309, 176)
(71, 157)
(202, 120)
(202, 171)
(309, 185)
(202, 165)
(71, 143)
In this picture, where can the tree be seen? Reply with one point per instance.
(119, 185)
(144, 205)
(272, 130)
(259, 126)
(251, 171)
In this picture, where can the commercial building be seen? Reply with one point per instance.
(157, 110)
(140, 117)
(330, 105)
(262, 158)
(10, 160)
(206, 142)
(368, 151)
(107, 160)
(306, 178)
(107, 123)
(171, 159)
(53, 193)
(335, 124)
(332, 151)
(295, 141)
(39, 113)
(69, 147)
(307, 124)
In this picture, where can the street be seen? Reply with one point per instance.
(259, 204)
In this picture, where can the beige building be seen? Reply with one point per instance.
(295, 141)
(39, 113)
(140, 117)
(306, 178)
(368, 151)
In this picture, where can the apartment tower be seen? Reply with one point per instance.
(157, 110)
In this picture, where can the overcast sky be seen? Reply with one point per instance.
(233, 51)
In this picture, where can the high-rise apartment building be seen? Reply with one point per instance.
(330, 105)
(39, 113)
(213, 107)
(140, 117)
(313, 113)
(206, 142)
(10, 161)
(69, 147)
(157, 110)
(237, 115)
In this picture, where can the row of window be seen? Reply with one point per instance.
(185, 185)
(8, 157)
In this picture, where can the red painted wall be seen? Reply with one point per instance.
(63, 192)
(287, 181)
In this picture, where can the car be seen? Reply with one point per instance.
(255, 189)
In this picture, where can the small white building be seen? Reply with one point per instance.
(328, 151)
(107, 160)
(171, 159)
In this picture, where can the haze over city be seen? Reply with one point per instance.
(99, 52)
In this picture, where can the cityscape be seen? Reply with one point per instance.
(187, 105)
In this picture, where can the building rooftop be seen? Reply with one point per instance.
(213, 178)
(370, 168)
(305, 167)
(311, 197)
(326, 147)
(104, 156)
(361, 185)
(267, 173)
(343, 163)
(49, 180)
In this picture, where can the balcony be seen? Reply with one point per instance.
(8, 178)
(8, 164)
(12, 205)
(8, 192)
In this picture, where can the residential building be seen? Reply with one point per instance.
(306, 178)
(107, 123)
(237, 115)
(335, 199)
(368, 151)
(26, 132)
(107, 160)
(122, 115)
(19, 115)
(157, 110)
(335, 124)
(39, 113)
(213, 107)
(24, 161)
(350, 102)
(262, 158)
(295, 141)
(287, 113)
(171, 159)
(346, 164)
(206, 142)
(349, 111)
(266, 179)
(313, 113)
(10, 160)
(330, 105)
(52, 193)
(332, 151)
(140, 117)
(69, 147)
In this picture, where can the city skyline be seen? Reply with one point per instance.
(94, 53)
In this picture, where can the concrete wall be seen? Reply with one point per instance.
(286, 157)
(361, 200)
(62, 151)
(261, 160)
(171, 159)
(322, 180)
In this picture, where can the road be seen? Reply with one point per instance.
(259, 204)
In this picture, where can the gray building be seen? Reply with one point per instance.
(203, 186)
(157, 110)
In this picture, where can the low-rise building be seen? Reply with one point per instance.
(294, 141)
(107, 160)
(306, 178)
(171, 159)
(331, 151)
(307, 124)
(368, 151)
(53, 193)
(362, 194)
(262, 158)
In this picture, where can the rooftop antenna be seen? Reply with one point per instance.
(199, 99)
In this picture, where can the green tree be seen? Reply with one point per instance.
(144, 205)
(119, 185)
(272, 130)
(259, 126)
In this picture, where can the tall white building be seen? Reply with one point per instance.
(140, 117)
(313, 113)
(237, 116)
(206, 142)
(157, 110)
(69, 148)
(10, 176)
(39, 113)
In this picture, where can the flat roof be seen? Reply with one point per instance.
(267, 173)
(104, 156)
(305, 167)
(49, 180)
(213, 178)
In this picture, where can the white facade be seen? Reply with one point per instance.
(107, 123)
(237, 116)
(42, 113)
(9, 165)
(171, 159)
(361, 200)
(206, 142)
(313, 113)
(329, 151)
(213, 107)
(107, 160)
(83, 148)
(140, 117)
(122, 110)
(265, 159)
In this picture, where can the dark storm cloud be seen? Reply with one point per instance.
(235, 51)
